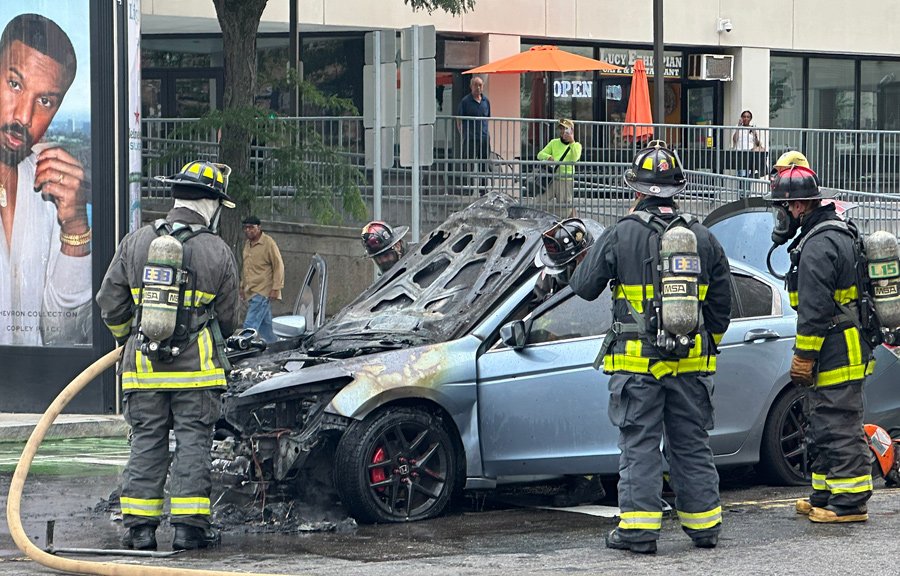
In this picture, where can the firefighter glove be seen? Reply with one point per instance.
(802, 371)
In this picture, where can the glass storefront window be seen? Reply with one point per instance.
(880, 95)
(786, 92)
(334, 65)
(831, 93)
(183, 52)
(272, 90)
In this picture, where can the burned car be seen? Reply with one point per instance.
(410, 393)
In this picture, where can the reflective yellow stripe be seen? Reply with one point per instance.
(634, 348)
(142, 507)
(850, 485)
(660, 368)
(697, 347)
(640, 521)
(205, 347)
(120, 330)
(618, 362)
(810, 343)
(794, 298)
(634, 293)
(854, 353)
(196, 298)
(701, 520)
(717, 338)
(818, 482)
(174, 380)
(845, 295)
(844, 374)
(701, 292)
(144, 366)
(136, 295)
(189, 506)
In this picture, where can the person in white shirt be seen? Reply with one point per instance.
(45, 245)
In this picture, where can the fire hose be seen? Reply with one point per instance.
(13, 501)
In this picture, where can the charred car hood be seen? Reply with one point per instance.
(443, 287)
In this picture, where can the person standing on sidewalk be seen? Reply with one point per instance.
(476, 140)
(173, 379)
(831, 356)
(262, 278)
(562, 150)
(659, 392)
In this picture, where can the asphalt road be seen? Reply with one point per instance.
(762, 535)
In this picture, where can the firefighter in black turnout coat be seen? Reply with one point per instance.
(170, 292)
(661, 383)
(831, 355)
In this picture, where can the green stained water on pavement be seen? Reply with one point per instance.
(81, 456)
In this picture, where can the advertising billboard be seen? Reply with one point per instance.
(45, 174)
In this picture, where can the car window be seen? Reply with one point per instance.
(750, 298)
(572, 318)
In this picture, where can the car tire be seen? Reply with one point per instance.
(784, 455)
(397, 465)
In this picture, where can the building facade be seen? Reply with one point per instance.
(797, 63)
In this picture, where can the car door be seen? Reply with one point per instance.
(542, 409)
(755, 354)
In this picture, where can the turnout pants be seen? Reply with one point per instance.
(680, 408)
(191, 414)
(841, 468)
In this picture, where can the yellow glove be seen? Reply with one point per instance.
(802, 371)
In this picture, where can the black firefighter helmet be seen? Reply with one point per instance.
(656, 171)
(200, 179)
(562, 244)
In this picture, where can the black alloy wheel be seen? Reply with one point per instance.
(397, 465)
(786, 456)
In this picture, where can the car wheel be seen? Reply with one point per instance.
(784, 457)
(397, 465)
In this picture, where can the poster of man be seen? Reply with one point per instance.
(45, 195)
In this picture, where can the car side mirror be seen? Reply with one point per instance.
(513, 334)
(289, 326)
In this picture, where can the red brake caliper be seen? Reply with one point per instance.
(378, 474)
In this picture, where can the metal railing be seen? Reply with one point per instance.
(863, 165)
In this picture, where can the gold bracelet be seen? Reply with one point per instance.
(75, 239)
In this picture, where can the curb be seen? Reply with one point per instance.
(18, 427)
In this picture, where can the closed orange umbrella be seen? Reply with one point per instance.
(542, 59)
(638, 111)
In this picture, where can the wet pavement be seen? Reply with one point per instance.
(485, 535)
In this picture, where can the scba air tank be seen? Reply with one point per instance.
(884, 273)
(680, 291)
(161, 288)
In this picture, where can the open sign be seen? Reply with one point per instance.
(573, 88)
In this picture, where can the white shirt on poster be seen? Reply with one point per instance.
(45, 296)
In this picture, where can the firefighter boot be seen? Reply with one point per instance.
(192, 537)
(141, 537)
(803, 506)
(836, 514)
(614, 540)
(707, 541)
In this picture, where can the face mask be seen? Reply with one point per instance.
(786, 225)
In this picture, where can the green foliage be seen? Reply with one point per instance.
(455, 7)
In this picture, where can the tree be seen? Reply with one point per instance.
(239, 21)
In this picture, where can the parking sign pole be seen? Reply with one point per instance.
(416, 65)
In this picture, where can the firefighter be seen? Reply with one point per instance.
(831, 356)
(383, 244)
(788, 159)
(661, 381)
(173, 366)
(563, 246)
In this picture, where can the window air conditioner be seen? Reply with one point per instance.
(711, 67)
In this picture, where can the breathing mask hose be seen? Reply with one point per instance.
(769, 262)
(14, 498)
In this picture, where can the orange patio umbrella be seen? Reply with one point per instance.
(542, 59)
(638, 111)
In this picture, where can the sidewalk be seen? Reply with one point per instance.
(18, 427)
